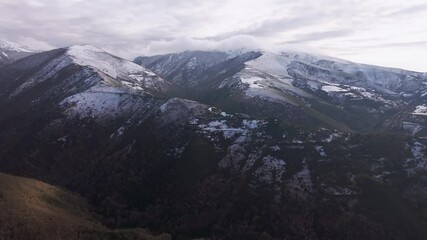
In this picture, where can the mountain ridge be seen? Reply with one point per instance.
(222, 145)
(10, 51)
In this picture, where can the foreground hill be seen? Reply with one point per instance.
(35, 210)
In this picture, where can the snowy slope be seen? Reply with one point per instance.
(84, 81)
(302, 74)
(114, 71)
(10, 51)
(11, 46)
(123, 89)
(129, 74)
(386, 80)
(267, 77)
(292, 85)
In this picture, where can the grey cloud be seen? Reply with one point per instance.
(420, 44)
(186, 43)
(409, 10)
(317, 36)
(272, 26)
(133, 27)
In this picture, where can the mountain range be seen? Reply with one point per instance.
(246, 144)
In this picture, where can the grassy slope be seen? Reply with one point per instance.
(31, 209)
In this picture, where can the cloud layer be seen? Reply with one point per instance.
(390, 33)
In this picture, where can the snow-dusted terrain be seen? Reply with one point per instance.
(127, 73)
(326, 74)
(313, 85)
(420, 110)
(104, 85)
(12, 46)
(11, 51)
(245, 136)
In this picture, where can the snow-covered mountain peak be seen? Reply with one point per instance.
(115, 67)
(115, 70)
(324, 69)
(85, 47)
(14, 47)
(10, 51)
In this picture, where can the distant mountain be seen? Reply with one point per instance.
(325, 90)
(10, 51)
(223, 145)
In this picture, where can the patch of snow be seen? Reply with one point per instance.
(221, 126)
(368, 94)
(418, 161)
(328, 88)
(236, 154)
(164, 106)
(86, 55)
(102, 102)
(218, 124)
(119, 132)
(302, 179)
(359, 89)
(63, 139)
(252, 81)
(192, 64)
(272, 170)
(413, 128)
(114, 67)
(331, 137)
(417, 150)
(275, 148)
(349, 94)
(194, 121)
(320, 150)
(251, 124)
(420, 110)
(271, 63)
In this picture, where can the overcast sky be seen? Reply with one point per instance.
(381, 32)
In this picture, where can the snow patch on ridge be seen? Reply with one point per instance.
(103, 102)
(328, 88)
(271, 63)
(420, 110)
(86, 55)
(130, 75)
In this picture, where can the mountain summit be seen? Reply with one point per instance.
(10, 51)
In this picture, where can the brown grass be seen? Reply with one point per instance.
(31, 209)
